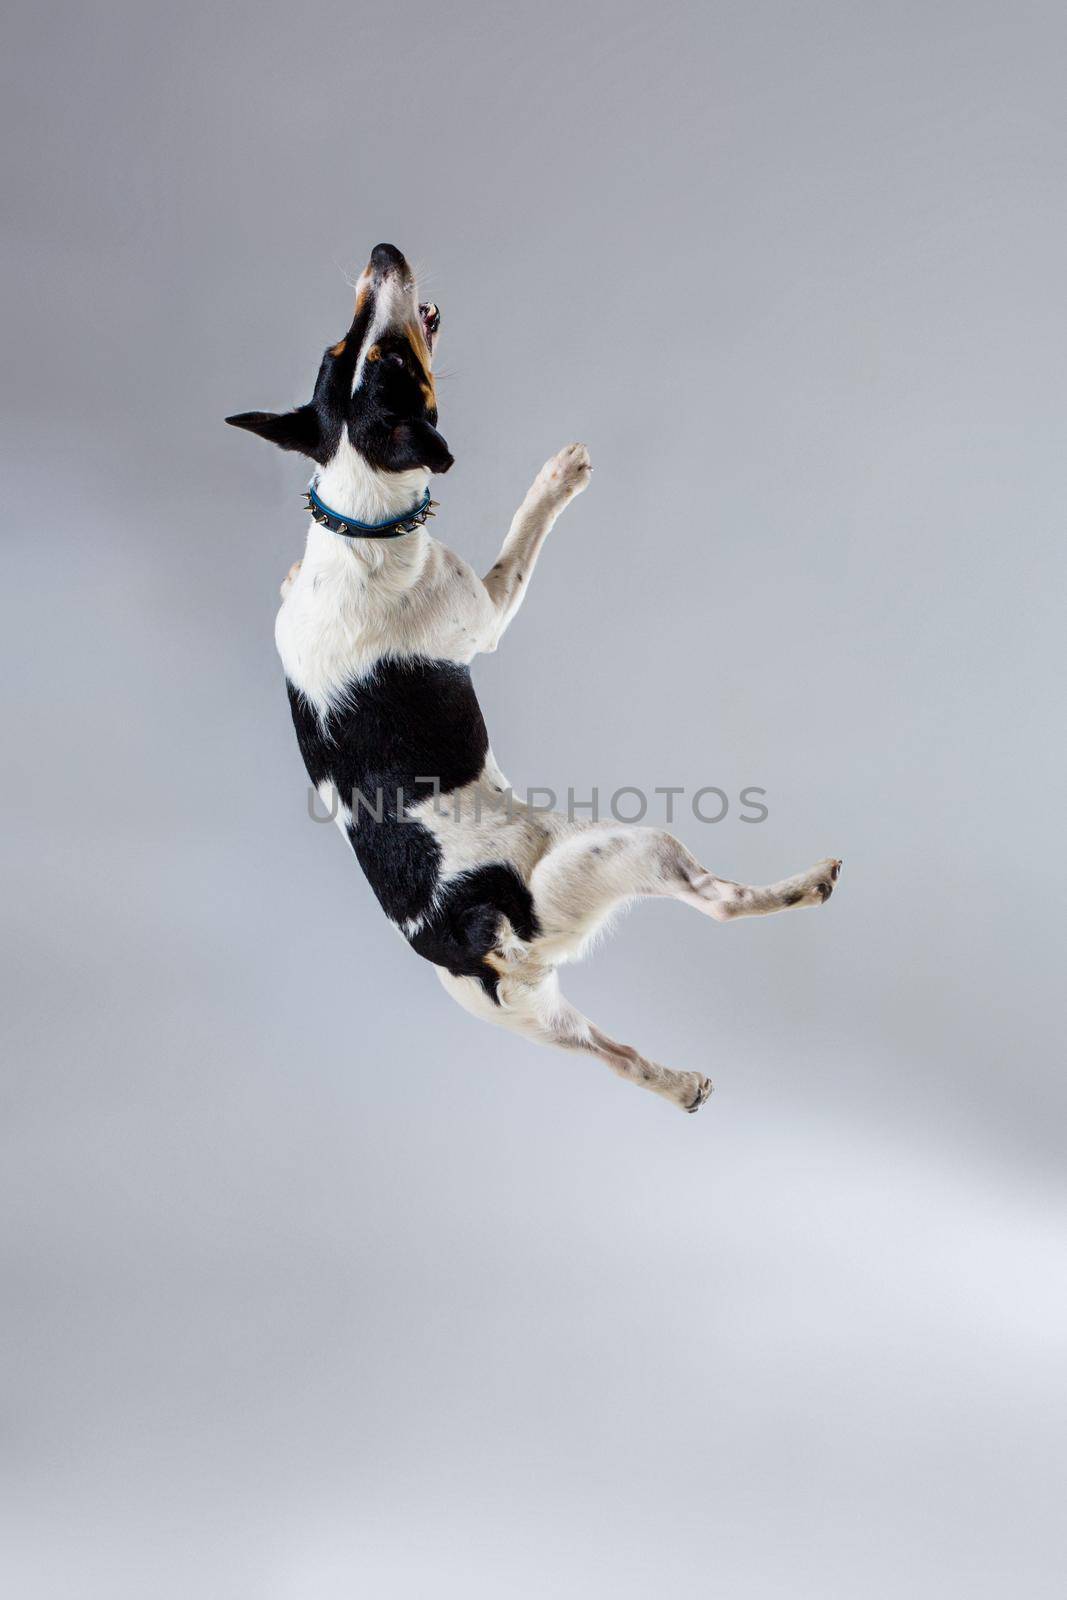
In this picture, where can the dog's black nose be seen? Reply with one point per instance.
(387, 258)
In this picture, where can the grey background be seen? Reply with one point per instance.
(314, 1287)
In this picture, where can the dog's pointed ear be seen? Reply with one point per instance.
(416, 443)
(291, 430)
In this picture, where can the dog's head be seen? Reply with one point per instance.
(375, 388)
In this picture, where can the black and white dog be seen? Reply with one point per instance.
(378, 626)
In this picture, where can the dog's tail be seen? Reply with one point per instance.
(476, 922)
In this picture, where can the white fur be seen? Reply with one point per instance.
(357, 601)
(394, 302)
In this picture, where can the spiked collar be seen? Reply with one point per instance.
(350, 528)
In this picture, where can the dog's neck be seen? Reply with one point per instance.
(350, 486)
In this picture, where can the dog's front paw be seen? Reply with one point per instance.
(289, 579)
(567, 474)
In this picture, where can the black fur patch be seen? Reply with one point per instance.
(463, 927)
(405, 725)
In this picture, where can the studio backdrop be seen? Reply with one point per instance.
(314, 1287)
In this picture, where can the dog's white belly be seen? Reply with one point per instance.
(483, 822)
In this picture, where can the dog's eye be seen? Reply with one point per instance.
(395, 359)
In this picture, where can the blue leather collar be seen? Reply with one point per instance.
(350, 528)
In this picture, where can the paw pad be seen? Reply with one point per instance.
(701, 1096)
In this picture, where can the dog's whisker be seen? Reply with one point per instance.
(346, 273)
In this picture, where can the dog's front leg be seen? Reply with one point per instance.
(558, 481)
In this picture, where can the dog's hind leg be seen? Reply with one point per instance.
(589, 874)
(531, 1005)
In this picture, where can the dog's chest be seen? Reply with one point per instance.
(346, 612)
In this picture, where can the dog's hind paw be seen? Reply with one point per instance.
(825, 875)
(704, 1087)
(814, 887)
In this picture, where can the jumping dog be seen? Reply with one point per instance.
(378, 626)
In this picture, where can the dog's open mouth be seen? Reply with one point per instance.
(431, 321)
